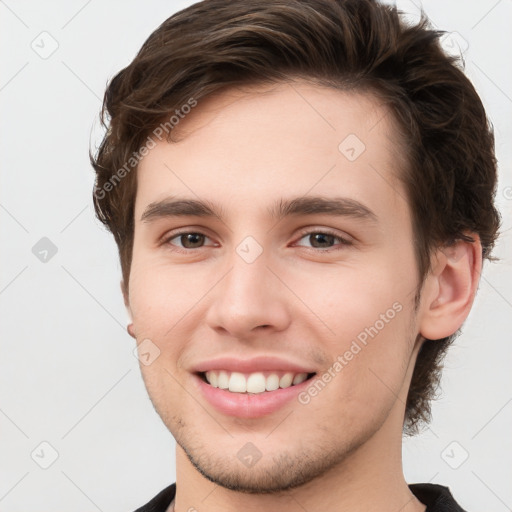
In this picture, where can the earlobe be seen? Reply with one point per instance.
(130, 330)
(450, 288)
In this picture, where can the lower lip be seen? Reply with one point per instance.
(249, 405)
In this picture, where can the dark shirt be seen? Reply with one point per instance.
(437, 498)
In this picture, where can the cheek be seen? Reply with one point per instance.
(364, 324)
(351, 303)
(161, 299)
(366, 377)
(162, 296)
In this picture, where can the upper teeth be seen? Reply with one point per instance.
(253, 382)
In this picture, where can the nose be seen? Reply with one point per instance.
(248, 300)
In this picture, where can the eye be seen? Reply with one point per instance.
(322, 240)
(187, 240)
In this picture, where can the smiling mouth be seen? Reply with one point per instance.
(256, 382)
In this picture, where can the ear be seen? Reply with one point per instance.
(450, 289)
(129, 327)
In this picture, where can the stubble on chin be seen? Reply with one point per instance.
(273, 474)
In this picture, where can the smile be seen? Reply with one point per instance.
(250, 395)
(256, 382)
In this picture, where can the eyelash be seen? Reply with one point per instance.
(343, 241)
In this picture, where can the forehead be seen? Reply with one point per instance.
(251, 145)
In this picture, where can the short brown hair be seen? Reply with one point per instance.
(351, 45)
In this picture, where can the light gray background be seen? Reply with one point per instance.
(68, 374)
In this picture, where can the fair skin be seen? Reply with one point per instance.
(303, 300)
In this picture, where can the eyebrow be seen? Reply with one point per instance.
(305, 205)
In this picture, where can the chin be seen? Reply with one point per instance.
(275, 472)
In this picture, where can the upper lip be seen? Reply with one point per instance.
(255, 364)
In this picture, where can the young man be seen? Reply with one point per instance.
(302, 197)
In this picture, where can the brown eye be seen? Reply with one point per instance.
(321, 240)
(186, 240)
(191, 240)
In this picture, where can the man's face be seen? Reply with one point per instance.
(276, 297)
